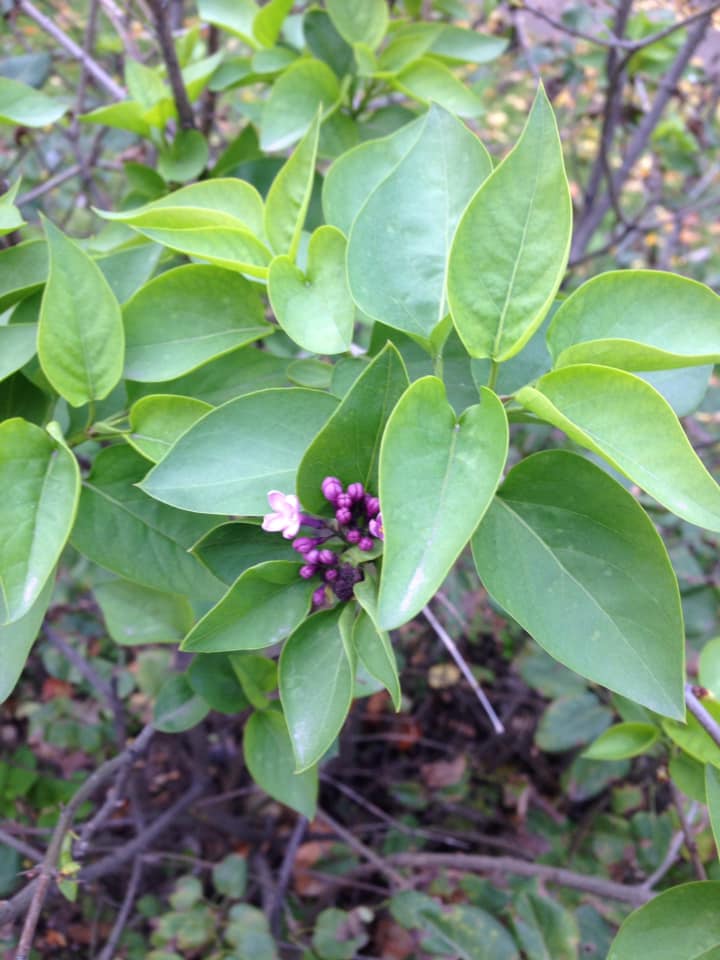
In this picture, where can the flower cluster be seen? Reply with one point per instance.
(357, 523)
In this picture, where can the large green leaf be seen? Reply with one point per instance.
(17, 638)
(680, 924)
(262, 607)
(236, 16)
(21, 105)
(317, 670)
(122, 529)
(364, 22)
(626, 421)
(23, 270)
(269, 19)
(355, 174)
(17, 346)
(295, 97)
(511, 246)
(288, 199)
(231, 458)
(437, 477)
(231, 548)
(314, 307)
(157, 421)
(269, 756)
(187, 316)
(571, 555)
(136, 614)
(400, 239)
(80, 337)
(638, 320)
(40, 481)
(348, 446)
(430, 81)
(220, 220)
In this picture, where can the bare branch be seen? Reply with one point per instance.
(705, 719)
(167, 46)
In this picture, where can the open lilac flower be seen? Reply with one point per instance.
(375, 526)
(286, 517)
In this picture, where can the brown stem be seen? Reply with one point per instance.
(159, 10)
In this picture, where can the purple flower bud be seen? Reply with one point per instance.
(327, 557)
(312, 556)
(318, 597)
(366, 543)
(372, 506)
(330, 575)
(307, 570)
(303, 544)
(343, 515)
(344, 500)
(376, 527)
(356, 491)
(353, 536)
(331, 488)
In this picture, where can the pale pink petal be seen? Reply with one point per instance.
(276, 499)
(291, 528)
(274, 522)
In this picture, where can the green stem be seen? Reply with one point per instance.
(492, 379)
(438, 364)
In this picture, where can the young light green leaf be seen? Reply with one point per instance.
(431, 511)
(268, 752)
(269, 20)
(289, 111)
(185, 158)
(712, 793)
(10, 216)
(135, 614)
(157, 421)
(264, 605)
(510, 249)
(637, 320)
(80, 337)
(398, 246)
(315, 308)
(169, 329)
(596, 588)
(692, 738)
(288, 199)
(348, 446)
(235, 16)
(461, 45)
(40, 481)
(122, 529)
(317, 670)
(430, 81)
(608, 411)
(364, 22)
(22, 105)
(17, 638)
(682, 923)
(17, 346)
(269, 431)
(622, 741)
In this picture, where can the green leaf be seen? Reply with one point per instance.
(40, 481)
(511, 246)
(595, 587)
(10, 217)
(80, 336)
(218, 220)
(17, 638)
(712, 791)
(170, 329)
(235, 16)
(17, 346)
(178, 707)
(430, 81)
(212, 677)
(317, 671)
(262, 607)
(229, 876)
(460, 45)
(376, 653)
(129, 268)
(185, 158)
(609, 412)
(348, 446)
(233, 547)
(637, 320)
(693, 738)
(400, 239)
(23, 270)
(21, 105)
(709, 667)
(364, 22)
(314, 307)
(269, 19)
(332, 938)
(157, 421)
(269, 756)
(430, 512)
(258, 676)
(469, 933)
(680, 924)
(288, 199)
(122, 529)
(295, 98)
(356, 174)
(21, 398)
(545, 930)
(325, 43)
(571, 722)
(270, 431)
(136, 614)
(622, 741)
(126, 115)
(249, 933)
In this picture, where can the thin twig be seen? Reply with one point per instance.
(108, 951)
(24, 848)
(673, 852)
(378, 863)
(706, 721)
(450, 646)
(286, 868)
(687, 833)
(167, 47)
(103, 78)
(114, 15)
(49, 184)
